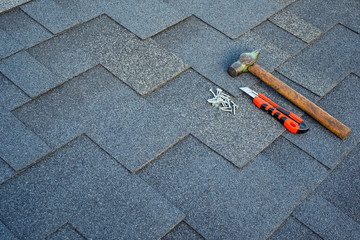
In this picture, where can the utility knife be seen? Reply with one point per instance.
(290, 120)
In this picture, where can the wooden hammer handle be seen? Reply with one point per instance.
(328, 121)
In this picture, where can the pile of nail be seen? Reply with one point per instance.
(222, 101)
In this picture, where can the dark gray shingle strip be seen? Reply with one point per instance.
(323, 64)
(183, 232)
(8, 44)
(143, 18)
(65, 232)
(293, 229)
(24, 29)
(233, 17)
(19, 145)
(50, 15)
(5, 171)
(5, 233)
(10, 95)
(9, 4)
(108, 110)
(296, 162)
(219, 200)
(143, 65)
(341, 188)
(28, 74)
(326, 220)
(320, 142)
(82, 184)
(324, 14)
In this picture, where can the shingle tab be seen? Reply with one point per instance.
(326, 220)
(323, 64)
(5, 172)
(83, 10)
(144, 65)
(296, 162)
(293, 229)
(238, 138)
(325, 14)
(8, 44)
(232, 17)
(144, 18)
(219, 200)
(19, 146)
(50, 15)
(81, 48)
(320, 142)
(5, 233)
(211, 53)
(10, 95)
(183, 232)
(279, 37)
(30, 75)
(66, 232)
(82, 184)
(342, 187)
(296, 26)
(101, 105)
(23, 28)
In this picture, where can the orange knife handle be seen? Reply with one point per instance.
(288, 123)
(281, 109)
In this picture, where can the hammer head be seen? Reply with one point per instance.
(241, 65)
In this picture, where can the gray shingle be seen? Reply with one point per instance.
(293, 229)
(66, 232)
(279, 37)
(73, 106)
(8, 44)
(323, 64)
(10, 95)
(238, 138)
(19, 146)
(98, 103)
(5, 172)
(183, 232)
(144, 18)
(325, 14)
(296, 162)
(320, 142)
(210, 53)
(296, 26)
(83, 10)
(219, 200)
(50, 15)
(9, 4)
(5, 233)
(30, 75)
(144, 65)
(81, 48)
(326, 220)
(23, 28)
(230, 17)
(82, 184)
(342, 187)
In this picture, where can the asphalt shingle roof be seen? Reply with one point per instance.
(105, 131)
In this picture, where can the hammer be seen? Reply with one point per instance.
(246, 62)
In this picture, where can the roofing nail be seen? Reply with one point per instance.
(212, 92)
